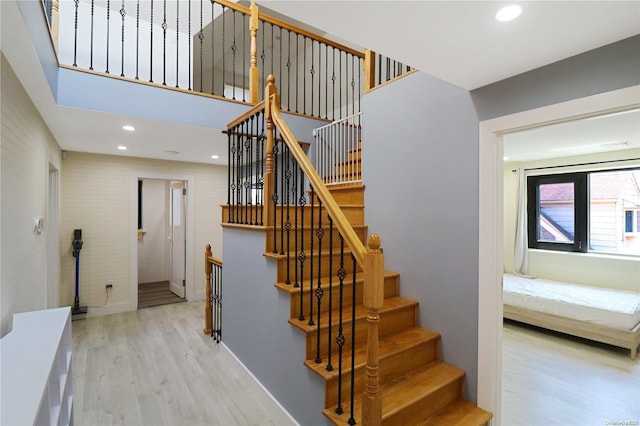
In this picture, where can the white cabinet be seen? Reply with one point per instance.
(36, 380)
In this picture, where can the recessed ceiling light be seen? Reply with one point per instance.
(172, 152)
(128, 128)
(508, 13)
(215, 157)
(122, 148)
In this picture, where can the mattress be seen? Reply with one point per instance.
(612, 308)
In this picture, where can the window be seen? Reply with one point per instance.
(585, 212)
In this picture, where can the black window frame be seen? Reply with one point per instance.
(581, 211)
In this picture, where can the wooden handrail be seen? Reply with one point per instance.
(310, 35)
(234, 6)
(258, 107)
(339, 219)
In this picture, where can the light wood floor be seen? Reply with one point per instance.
(156, 367)
(552, 379)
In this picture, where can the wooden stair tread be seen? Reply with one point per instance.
(390, 304)
(388, 346)
(324, 282)
(402, 392)
(458, 413)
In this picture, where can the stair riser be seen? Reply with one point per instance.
(390, 321)
(389, 367)
(347, 195)
(426, 406)
(290, 244)
(304, 270)
(390, 290)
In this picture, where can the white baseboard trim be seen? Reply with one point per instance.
(284, 411)
(110, 309)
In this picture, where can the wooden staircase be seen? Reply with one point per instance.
(417, 387)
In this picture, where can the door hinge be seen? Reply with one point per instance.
(184, 284)
(184, 191)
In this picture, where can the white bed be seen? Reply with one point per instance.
(604, 315)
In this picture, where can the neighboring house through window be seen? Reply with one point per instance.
(595, 211)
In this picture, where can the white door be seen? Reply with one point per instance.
(177, 237)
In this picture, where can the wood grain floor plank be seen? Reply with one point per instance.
(553, 379)
(155, 367)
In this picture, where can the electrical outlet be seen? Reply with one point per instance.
(109, 283)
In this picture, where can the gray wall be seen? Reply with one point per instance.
(607, 68)
(255, 328)
(420, 157)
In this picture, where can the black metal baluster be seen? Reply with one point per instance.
(244, 58)
(137, 36)
(352, 420)
(91, 42)
(287, 202)
(108, 30)
(312, 72)
(280, 79)
(302, 256)
(304, 75)
(281, 197)
(295, 231)
(333, 82)
(177, 41)
(238, 174)
(288, 70)
(229, 169)
(123, 13)
(75, 38)
(224, 65)
(319, 290)
(326, 86)
(233, 51)
(340, 339)
(312, 196)
(388, 69)
(247, 172)
(213, 49)
(164, 45)
(151, 45)
(201, 38)
(253, 172)
(353, 85)
(379, 62)
(329, 366)
(262, 58)
(274, 197)
(262, 161)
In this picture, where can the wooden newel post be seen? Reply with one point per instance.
(373, 297)
(253, 70)
(208, 309)
(270, 97)
(369, 65)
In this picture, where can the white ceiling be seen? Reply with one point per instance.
(457, 41)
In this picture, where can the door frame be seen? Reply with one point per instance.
(182, 186)
(133, 232)
(52, 232)
(490, 237)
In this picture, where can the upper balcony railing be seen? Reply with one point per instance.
(216, 48)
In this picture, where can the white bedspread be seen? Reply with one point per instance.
(613, 308)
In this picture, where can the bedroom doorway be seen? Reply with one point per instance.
(491, 218)
(162, 242)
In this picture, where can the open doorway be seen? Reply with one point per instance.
(491, 217)
(161, 242)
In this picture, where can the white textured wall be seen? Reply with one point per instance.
(152, 247)
(27, 148)
(621, 272)
(99, 195)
